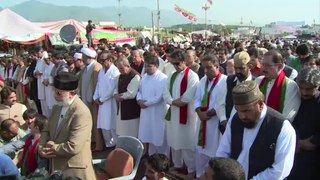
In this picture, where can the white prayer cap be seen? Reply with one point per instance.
(140, 50)
(45, 55)
(89, 52)
(77, 56)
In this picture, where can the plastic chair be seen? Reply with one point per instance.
(133, 146)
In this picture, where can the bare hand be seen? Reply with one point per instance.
(178, 102)
(203, 115)
(98, 102)
(142, 104)
(222, 126)
(307, 145)
(211, 112)
(46, 152)
(118, 97)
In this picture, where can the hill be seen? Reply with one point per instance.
(131, 16)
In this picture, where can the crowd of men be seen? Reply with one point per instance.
(255, 102)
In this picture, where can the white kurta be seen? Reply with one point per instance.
(168, 69)
(182, 136)
(128, 127)
(292, 100)
(217, 102)
(152, 122)
(284, 152)
(49, 90)
(40, 67)
(106, 84)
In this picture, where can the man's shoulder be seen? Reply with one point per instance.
(19, 105)
(97, 66)
(3, 107)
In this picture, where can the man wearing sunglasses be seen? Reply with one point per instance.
(181, 118)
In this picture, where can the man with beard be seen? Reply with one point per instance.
(67, 138)
(307, 126)
(257, 136)
(242, 70)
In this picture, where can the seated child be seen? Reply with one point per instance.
(29, 116)
(30, 159)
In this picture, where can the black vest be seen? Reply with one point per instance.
(262, 151)
(231, 83)
(287, 70)
(129, 107)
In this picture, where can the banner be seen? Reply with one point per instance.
(186, 13)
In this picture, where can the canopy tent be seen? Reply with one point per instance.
(115, 36)
(204, 32)
(15, 28)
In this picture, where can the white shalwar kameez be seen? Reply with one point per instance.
(40, 67)
(182, 137)
(152, 118)
(49, 90)
(292, 99)
(217, 102)
(107, 114)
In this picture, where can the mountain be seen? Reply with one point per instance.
(131, 16)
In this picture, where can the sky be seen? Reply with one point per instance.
(260, 12)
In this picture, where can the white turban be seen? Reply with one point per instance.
(89, 52)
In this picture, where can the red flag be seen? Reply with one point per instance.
(210, 2)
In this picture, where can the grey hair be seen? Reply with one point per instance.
(309, 75)
(124, 61)
(140, 52)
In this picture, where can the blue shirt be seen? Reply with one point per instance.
(7, 167)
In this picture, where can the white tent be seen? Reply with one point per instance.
(290, 37)
(204, 32)
(13, 26)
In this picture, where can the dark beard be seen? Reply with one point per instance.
(249, 125)
(241, 77)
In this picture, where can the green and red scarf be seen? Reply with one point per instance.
(29, 157)
(277, 94)
(205, 102)
(183, 88)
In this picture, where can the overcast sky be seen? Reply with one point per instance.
(222, 11)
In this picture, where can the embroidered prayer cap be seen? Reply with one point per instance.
(65, 81)
(246, 92)
(242, 57)
(89, 52)
(77, 56)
